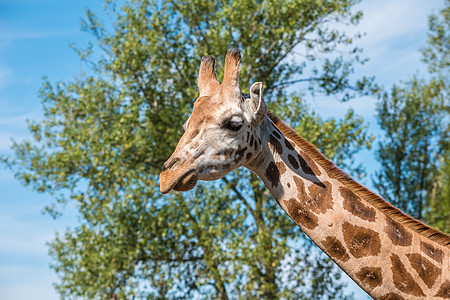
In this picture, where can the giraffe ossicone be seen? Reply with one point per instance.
(387, 253)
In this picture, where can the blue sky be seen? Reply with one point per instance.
(34, 39)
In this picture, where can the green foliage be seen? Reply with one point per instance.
(106, 135)
(412, 117)
(438, 205)
(437, 52)
(437, 55)
(416, 151)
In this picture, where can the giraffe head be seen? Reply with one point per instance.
(223, 131)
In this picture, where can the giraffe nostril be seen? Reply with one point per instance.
(170, 163)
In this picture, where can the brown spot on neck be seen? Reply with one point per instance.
(361, 241)
(403, 280)
(301, 215)
(318, 199)
(432, 252)
(289, 145)
(355, 205)
(320, 196)
(335, 249)
(306, 167)
(392, 296)
(309, 165)
(293, 162)
(275, 144)
(444, 290)
(281, 167)
(397, 233)
(273, 174)
(370, 276)
(426, 270)
(276, 133)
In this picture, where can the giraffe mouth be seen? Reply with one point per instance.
(181, 181)
(186, 182)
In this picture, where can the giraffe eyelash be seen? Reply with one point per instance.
(185, 125)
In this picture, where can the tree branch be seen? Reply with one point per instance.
(166, 259)
(239, 195)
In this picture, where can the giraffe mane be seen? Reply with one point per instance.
(377, 201)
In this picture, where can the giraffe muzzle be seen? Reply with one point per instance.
(178, 179)
(187, 182)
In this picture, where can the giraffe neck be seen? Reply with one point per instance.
(367, 239)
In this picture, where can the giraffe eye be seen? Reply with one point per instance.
(233, 125)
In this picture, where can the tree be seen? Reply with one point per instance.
(437, 55)
(106, 135)
(415, 117)
(412, 118)
(438, 204)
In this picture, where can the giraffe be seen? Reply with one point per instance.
(387, 253)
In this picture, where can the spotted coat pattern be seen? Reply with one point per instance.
(387, 259)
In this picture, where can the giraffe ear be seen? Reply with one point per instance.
(258, 104)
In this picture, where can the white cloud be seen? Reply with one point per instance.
(387, 20)
(395, 31)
